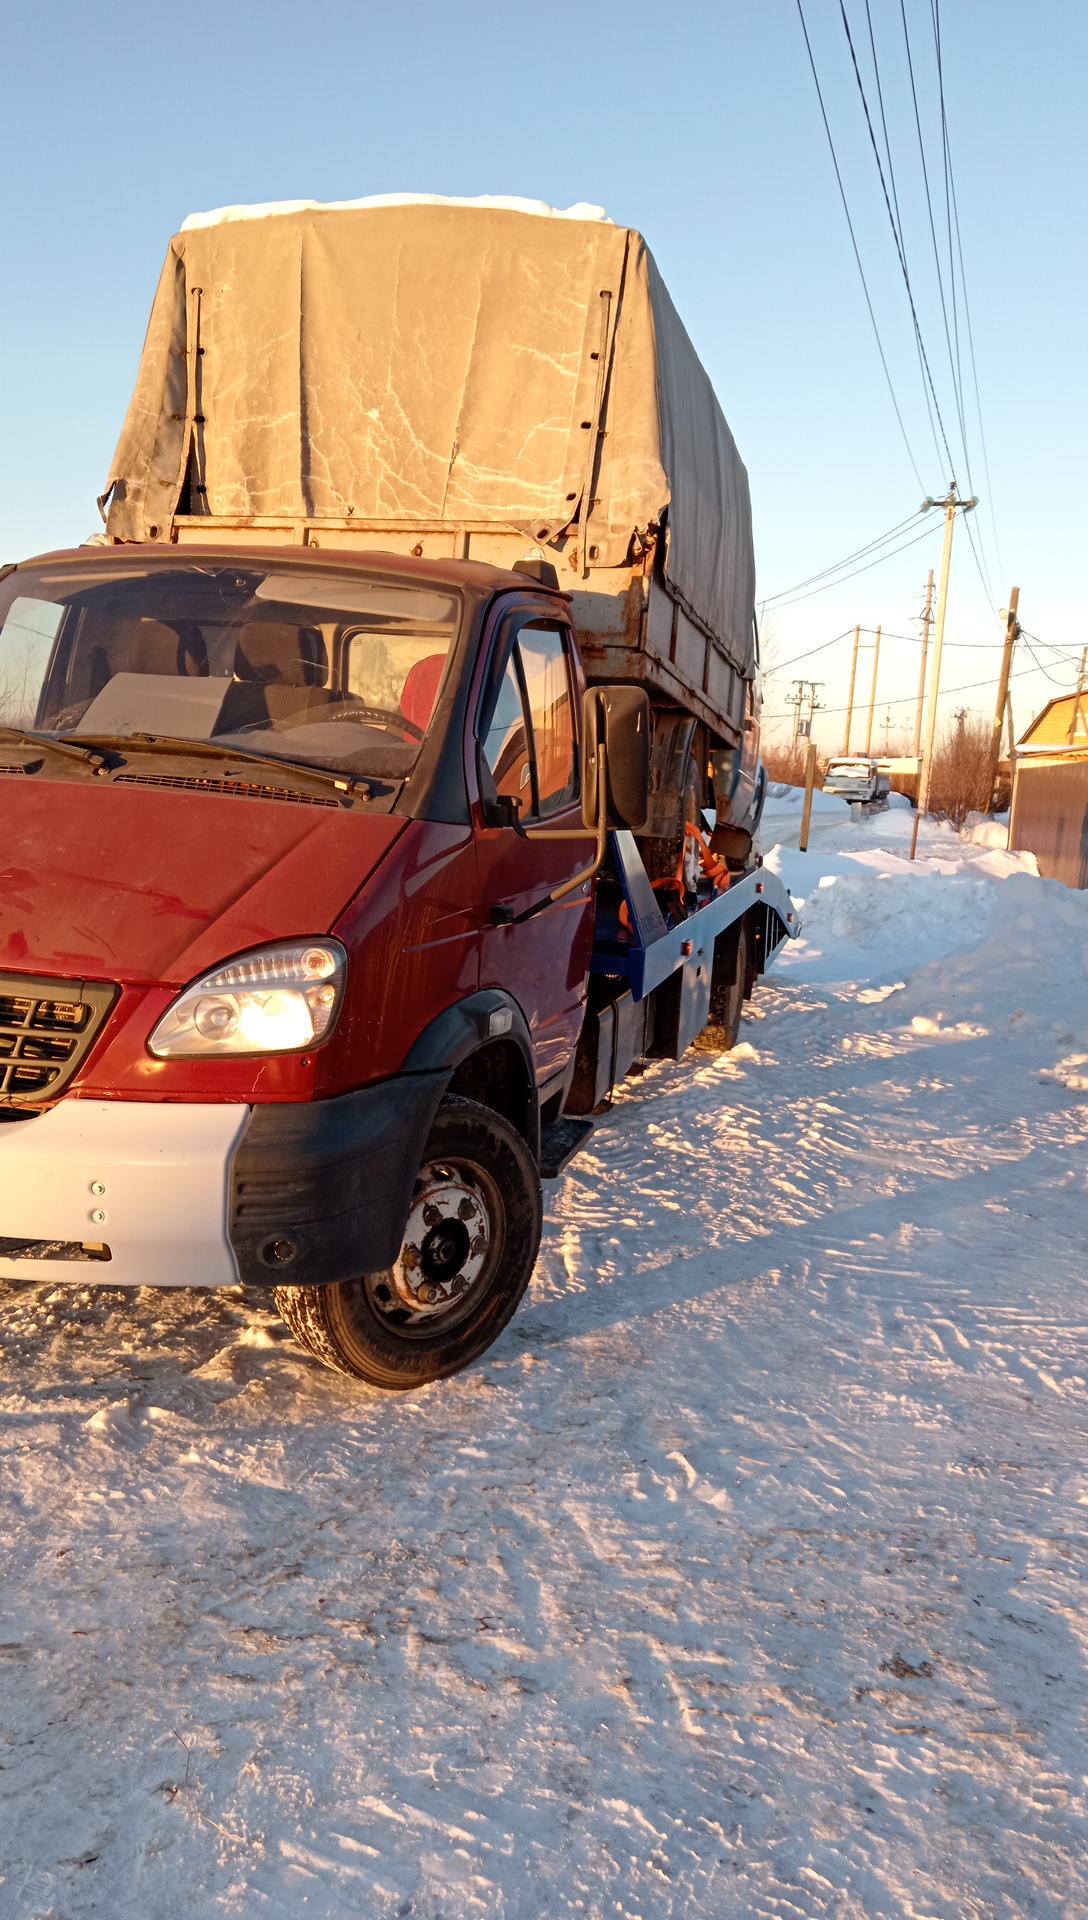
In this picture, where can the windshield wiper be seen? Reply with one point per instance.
(95, 753)
(344, 784)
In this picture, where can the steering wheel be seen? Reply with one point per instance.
(362, 712)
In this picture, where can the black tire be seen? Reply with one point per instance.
(751, 968)
(727, 992)
(661, 854)
(416, 1323)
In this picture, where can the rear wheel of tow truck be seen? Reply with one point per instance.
(661, 854)
(469, 1249)
(751, 971)
(727, 993)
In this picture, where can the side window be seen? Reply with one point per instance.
(505, 745)
(528, 743)
(546, 670)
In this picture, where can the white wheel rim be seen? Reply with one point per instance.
(445, 1249)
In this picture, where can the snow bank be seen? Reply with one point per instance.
(868, 910)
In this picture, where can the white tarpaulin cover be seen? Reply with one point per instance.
(433, 361)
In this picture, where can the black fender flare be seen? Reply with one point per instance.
(468, 1027)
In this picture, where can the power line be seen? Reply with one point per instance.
(952, 205)
(839, 564)
(1044, 670)
(897, 237)
(822, 648)
(952, 357)
(1053, 646)
(869, 564)
(854, 244)
(909, 699)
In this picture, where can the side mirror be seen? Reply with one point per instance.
(618, 718)
(503, 811)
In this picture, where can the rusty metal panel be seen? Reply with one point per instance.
(1050, 817)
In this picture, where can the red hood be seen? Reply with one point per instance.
(154, 885)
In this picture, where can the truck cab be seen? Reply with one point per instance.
(859, 781)
(279, 899)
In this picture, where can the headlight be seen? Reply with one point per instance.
(278, 1000)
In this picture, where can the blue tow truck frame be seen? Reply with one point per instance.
(638, 952)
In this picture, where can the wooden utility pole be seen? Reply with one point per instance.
(949, 503)
(927, 618)
(1012, 634)
(872, 694)
(850, 696)
(810, 781)
(1080, 696)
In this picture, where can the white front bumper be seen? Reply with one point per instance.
(151, 1181)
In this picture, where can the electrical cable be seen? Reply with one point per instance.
(769, 672)
(987, 587)
(954, 221)
(842, 578)
(854, 244)
(1053, 646)
(909, 699)
(924, 357)
(839, 564)
(933, 233)
(1043, 670)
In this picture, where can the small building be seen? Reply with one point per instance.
(1049, 815)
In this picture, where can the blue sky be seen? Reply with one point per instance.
(700, 125)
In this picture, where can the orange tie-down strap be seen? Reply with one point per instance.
(716, 870)
(673, 890)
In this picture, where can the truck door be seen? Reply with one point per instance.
(527, 753)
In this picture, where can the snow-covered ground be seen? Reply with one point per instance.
(744, 1577)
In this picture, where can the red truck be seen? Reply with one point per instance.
(336, 902)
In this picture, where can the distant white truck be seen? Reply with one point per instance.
(860, 781)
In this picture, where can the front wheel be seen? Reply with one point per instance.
(469, 1249)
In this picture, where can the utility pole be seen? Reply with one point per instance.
(803, 728)
(927, 618)
(950, 504)
(872, 694)
(1077, 711)
(796, 701)
(850, 698)
(810, 782)
(1012, 634)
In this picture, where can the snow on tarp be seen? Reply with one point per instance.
(582, 210)
(427, 360)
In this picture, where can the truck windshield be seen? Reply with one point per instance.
(337, 670)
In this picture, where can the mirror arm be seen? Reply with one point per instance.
(587, 873)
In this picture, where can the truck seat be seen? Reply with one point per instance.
(270, 652)
(278, 669)
(420, 689)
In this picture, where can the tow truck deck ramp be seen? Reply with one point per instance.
(636, 952)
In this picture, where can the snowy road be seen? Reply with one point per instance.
(745, 1577)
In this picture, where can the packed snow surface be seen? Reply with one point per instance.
(745, 1576)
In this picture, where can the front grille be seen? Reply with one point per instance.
(16, 766)
(46, 1029)
(53, 1250)
(245, 789)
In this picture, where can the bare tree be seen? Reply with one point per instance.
(961, 774)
